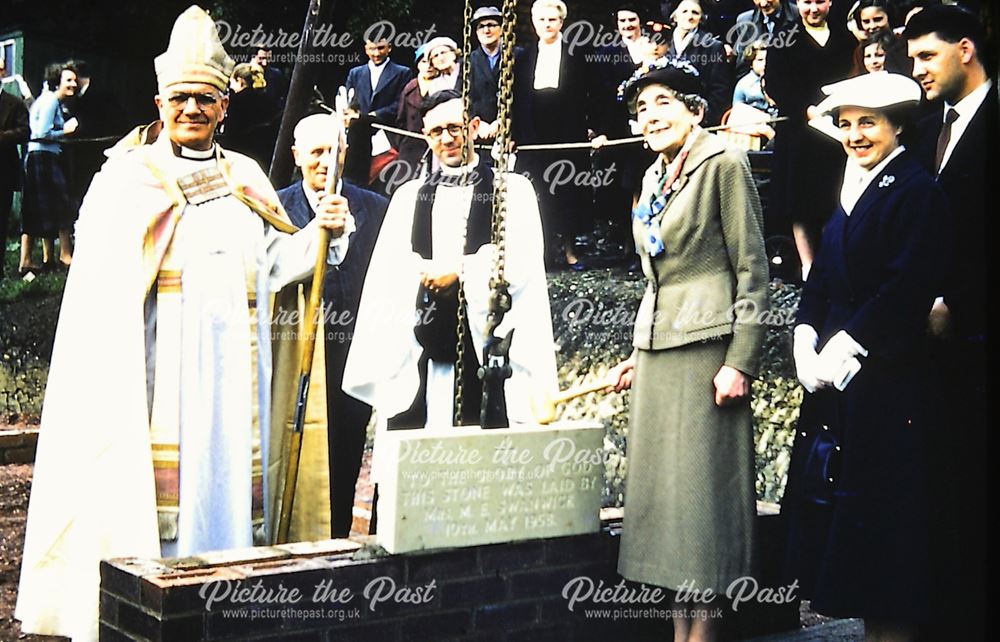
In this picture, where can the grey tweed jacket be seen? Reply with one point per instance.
(712, 278)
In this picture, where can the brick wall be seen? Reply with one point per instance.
(499, 592)
(18, 446)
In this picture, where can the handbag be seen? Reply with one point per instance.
(819, 466)
(822, 466)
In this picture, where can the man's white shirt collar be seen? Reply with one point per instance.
(376, 72)
(966, 108)
(547, 65)
(457, 171)
(195, 154)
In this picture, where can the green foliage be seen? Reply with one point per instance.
(587, 350)
(777, 396)
(14, 288)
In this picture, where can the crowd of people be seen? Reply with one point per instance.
(563, 91)
(880, 173)
(69, 125)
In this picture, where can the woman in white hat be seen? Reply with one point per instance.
(442, 53)
(689, 493)
(855, 499)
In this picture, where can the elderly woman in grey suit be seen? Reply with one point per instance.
(690, 500)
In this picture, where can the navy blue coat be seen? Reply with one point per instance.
(347, 417)
(864, 552)
(384, 101)
(343, 283)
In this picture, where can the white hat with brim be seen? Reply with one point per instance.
(879, 90)
(439, 41)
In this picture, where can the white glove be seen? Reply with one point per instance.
(850, 368)
(806, 359)
(834, 357)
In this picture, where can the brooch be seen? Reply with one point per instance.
(887, 180)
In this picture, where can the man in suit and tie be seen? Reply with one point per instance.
(13, 134)
(377, 87)
(959, 144)
(347, 418)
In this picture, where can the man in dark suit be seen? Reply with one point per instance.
(347, 418)
(484, 70)
(767, 18)
(13, 134)
(959, 144)
(377, 87)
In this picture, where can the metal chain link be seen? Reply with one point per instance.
(504, 98)
(460, 331)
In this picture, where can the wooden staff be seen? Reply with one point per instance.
(545, 411)
(310, 321)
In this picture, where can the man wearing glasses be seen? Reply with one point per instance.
(156, 435)
(487, 23)
(436, 241)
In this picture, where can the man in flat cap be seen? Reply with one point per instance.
(484, 76)
(155, 420)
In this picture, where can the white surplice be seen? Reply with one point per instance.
(382, 365)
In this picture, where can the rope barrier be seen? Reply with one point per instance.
(585, 145)
(405, 132)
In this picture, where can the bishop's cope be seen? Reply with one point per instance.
(156, 434)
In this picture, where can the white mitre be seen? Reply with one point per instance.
(195, 53)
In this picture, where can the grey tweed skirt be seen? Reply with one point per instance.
(689, 489)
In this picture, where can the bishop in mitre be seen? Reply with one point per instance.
(155, 424)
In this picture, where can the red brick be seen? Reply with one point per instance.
(120, 582)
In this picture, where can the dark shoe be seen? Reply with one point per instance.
(579, 266)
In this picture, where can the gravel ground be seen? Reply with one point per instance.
(15, 484)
